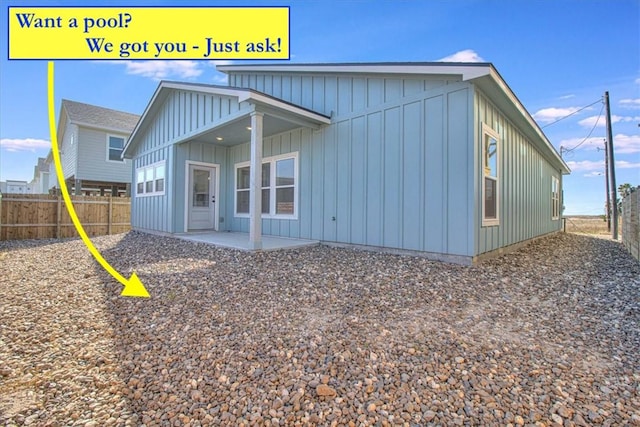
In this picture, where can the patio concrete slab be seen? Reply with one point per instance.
(240, 241)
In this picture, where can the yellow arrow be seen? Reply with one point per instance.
(133, 287)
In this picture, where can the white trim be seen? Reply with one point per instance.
(144, 169)
(469, 71)
(488, 131)
(555, 198)
(272, 186)
(216, 191)
(124, 142)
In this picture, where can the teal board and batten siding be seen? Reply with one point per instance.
(524, 184)
(181, 114)
(393, 169)
(337, 93)
(154, 212)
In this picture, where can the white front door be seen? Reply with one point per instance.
(201, 201)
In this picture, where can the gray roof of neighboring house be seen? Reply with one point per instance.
(42, 164)
(100, 117)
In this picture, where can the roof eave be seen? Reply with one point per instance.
(466, 70)
(497, 79)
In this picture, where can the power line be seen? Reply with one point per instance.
(568, 150)
(571, 114)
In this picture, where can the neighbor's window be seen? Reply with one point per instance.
(555, 198)
(115, 145)
(279, 187)
(490, 181)
(150, 180)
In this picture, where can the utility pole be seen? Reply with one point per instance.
(606, 180)
(612, 170)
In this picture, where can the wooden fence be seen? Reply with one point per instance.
(43, 216)
(631, 223)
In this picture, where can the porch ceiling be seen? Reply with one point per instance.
(239, 130)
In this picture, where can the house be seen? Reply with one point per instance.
(40, 182)
(17, 187)
(91, 140)
(438, 159)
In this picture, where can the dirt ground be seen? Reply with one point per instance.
(586, 224)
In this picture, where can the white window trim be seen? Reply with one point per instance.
(555, 198)
(124, 141)
(486, 130)
(272, 187)
(144, 169)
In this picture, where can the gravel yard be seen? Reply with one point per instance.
(548, 335)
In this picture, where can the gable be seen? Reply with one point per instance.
(183, 111)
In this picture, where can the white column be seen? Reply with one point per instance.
(255, 183)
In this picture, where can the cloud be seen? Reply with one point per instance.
(548, 115)
(637, 81)
(598, 166)
(623, 164)
(591, 121)
(622, 144)
(158, 70)
(26, 144)
(626, 144)
(569, 96)
(586, 165)
(467, 55)
(630, 103)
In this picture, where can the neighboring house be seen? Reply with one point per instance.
(439, 159)
(91, 140)
(40, 182)
(3, 187)
(53, 177)
(17, 187)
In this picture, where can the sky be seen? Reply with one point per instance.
(557, 56)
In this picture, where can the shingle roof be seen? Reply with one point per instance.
(99, 116)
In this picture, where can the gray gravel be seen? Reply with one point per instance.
(548, 335)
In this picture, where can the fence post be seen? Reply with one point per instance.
(58, 213)
(0, 215)
(110, 215)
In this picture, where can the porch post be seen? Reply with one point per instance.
(255, 183)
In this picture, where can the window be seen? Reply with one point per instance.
(115, 145)
(490, 174)
(279, 187)
(555, 198)
(150, 180)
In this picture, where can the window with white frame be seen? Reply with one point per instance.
(555, 198)
(490, 177)
(115, 145)
(150, 180)
(279, 187)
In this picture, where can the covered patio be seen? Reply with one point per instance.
(263, 116)
(185, 137)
